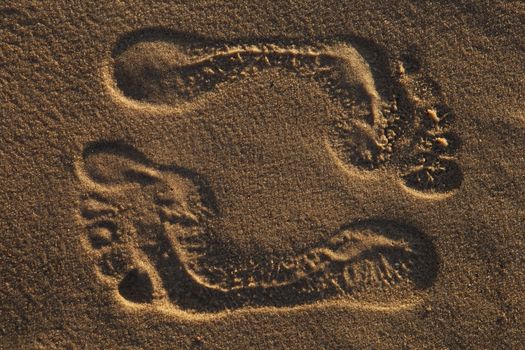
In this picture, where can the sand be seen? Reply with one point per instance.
(299, 175)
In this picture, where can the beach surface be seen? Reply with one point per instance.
(262, 175)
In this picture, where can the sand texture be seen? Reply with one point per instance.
(262, 175)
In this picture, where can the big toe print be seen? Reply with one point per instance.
(208, 240)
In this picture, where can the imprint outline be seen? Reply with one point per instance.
(98, 215)
(428, 123)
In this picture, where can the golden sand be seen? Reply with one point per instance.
(256, 176)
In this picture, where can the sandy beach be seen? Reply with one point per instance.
(262, 175)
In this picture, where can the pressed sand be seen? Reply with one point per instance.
(236, 175)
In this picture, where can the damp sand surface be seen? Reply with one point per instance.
(205, 176)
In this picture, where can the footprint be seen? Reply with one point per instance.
(401, 125)
(149, 226)
(146, 227)
(430, 165)
(120, 208)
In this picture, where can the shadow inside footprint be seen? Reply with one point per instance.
(136, 287)
(435, 174)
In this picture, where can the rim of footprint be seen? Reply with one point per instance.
(146, 222)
